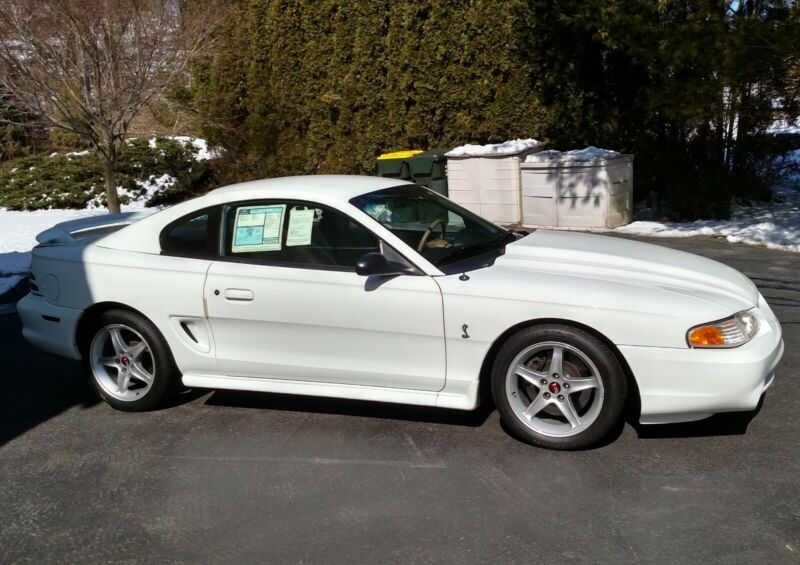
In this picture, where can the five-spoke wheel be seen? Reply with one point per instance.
(558, 386)
(122, 362)
(129, 361)
(554, 388)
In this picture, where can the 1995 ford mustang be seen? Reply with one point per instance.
(375, 289)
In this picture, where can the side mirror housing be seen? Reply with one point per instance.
(376, 264)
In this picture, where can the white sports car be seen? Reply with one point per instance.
(376, 289)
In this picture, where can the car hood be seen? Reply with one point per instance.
(629, 262)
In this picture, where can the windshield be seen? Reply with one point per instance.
(440, 230)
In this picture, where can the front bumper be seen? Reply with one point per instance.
(48, 327)
(682, 385)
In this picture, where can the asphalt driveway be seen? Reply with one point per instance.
(226, 477)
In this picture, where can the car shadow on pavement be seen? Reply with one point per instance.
(728, 424)
(36, 386)
(344, 407)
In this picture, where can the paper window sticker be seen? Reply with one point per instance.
(301, 222)
(258, 228)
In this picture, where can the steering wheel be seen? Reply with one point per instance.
(443, 228)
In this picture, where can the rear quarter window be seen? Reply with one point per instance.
(195, 235)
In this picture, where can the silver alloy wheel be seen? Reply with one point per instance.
(122, 362)
(554, 389)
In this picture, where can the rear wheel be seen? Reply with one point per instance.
(129, 362)
(558, 387)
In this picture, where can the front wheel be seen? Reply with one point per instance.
(130, 363)
(558, 387)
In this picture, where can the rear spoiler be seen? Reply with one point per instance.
(73, 230)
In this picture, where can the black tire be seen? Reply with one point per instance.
(166, 378)
(611, 373)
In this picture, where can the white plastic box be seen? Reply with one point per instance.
(488, 185)
(595, 193)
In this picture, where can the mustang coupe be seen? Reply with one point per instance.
(376, 289)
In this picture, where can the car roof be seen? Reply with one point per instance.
(332, 190)
(343, 187)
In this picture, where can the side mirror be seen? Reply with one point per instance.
(376, 264)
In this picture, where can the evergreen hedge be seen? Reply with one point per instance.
(75, 180)
(299, 87)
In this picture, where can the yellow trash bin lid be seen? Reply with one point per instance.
(400, 154)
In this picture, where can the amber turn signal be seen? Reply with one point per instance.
(705, 336)
(730, 332)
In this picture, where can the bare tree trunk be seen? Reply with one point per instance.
(111, 185)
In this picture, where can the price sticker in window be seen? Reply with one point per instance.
(258, 228)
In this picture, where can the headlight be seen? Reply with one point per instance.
(730, 332)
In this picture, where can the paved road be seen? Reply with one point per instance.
(237, 478)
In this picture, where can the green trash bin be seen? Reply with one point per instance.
(428, 168)
(396, 164)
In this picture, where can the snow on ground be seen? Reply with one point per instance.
(18, 236)
(9, 282)
(774, 224)
(511, 147)
(18, 230)
(575, 155)
(783, 127)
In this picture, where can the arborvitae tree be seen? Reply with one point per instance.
(298, 87)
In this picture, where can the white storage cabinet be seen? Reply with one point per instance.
(580, 194)
(488, 185)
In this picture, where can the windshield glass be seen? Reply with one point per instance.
(442, 231)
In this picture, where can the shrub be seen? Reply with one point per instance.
(75, 180)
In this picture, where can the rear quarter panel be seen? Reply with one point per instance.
(161, 288)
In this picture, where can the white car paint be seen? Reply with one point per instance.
(391, 336)
(330, 333)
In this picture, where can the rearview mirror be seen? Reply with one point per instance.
(376, 264)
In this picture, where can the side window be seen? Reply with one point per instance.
(192, 236)
(294, 233)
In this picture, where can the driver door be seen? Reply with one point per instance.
(284, 302)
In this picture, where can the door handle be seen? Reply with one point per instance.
(238, 294)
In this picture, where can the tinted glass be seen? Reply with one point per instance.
(293, 233)
(410, 211)
(189, 237)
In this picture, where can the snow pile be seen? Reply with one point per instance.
(543, 156)
(575, 155)
(774, 224)
(783, 127)
(511, 147)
